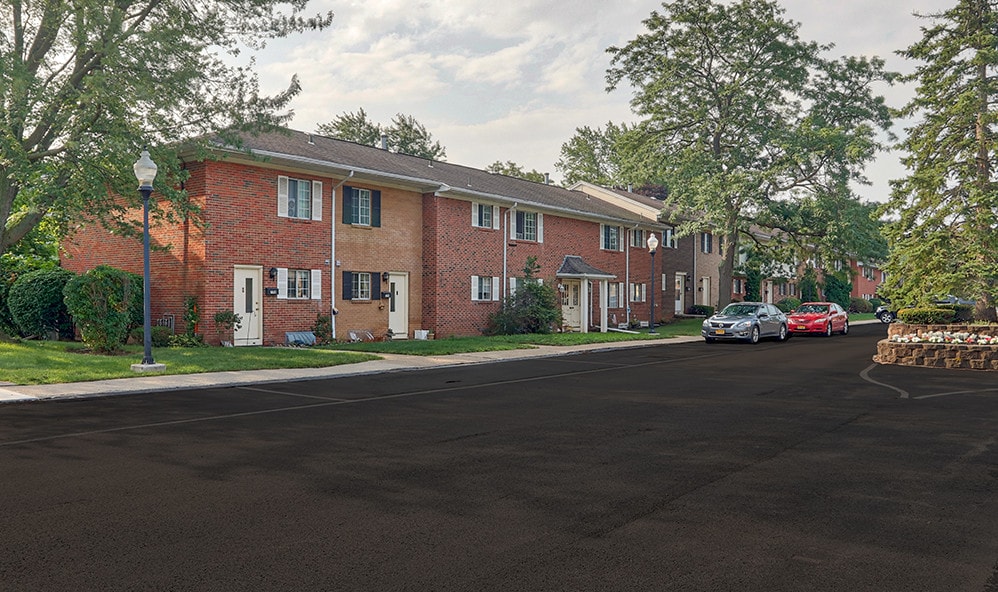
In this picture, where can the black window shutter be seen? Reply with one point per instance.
(347, 204)
(375, 285)
(347, 285)
(376, 208)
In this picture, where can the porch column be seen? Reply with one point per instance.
(585, 303)
(604, 293)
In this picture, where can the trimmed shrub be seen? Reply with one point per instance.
(101, 302)
(875, 302)
(36, 303)
(160, 335)
(962, 313)
(788, 304)
(926, 316)
(534, 308)
(323, 329)
(860, 305)
(185, 340)
(701, 309)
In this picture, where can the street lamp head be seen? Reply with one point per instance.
(145, 170)
(652, 243)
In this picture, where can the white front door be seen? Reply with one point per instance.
(247, 294)
(705, 290)
(571, 305)
(398, 305)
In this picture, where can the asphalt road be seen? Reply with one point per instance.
(777, 467)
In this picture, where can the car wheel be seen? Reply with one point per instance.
(783, 333)
(828, 329)
(887, 317)
(845, 328)
(754, 335)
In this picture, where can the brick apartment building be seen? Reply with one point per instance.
(295, 225)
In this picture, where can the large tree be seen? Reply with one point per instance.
(944, 214)
(592, 155)
(749, 126)
(405, 134)
(84, 85)
(511, 169)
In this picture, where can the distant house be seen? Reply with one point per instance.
(293, 226)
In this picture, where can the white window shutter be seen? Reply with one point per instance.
(282, 196)
(282, 282)
(621, 238)
(540, 227)
(495, 217)
(495, 288)
(474, 287)
(512, 286)
(316, 288)
(602, 236)
(317, 200)
(474, 213)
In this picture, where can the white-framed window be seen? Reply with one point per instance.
(738, 286)
(638, 238)
(670, 238)
(610, 237)
(706, 242)
(361, 286)
(484, 216)
(299, 198)
(484, 288)
(299, 284)
(361, 207)
(515, 283)
(638, 292)
(615, 297)
(529, 226)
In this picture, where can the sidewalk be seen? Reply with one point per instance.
(388, 363)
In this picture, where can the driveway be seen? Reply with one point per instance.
(782, 466)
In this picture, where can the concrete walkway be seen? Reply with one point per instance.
(388, 363)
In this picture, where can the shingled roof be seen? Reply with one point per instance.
(341, 158)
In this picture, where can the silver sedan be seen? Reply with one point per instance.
(746, 321)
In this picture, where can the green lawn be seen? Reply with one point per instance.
(53, 362)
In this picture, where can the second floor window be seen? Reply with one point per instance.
(528, 225)
(611, 238)
(484, 216)
(706, 242)
(638, 238)
(299, 198)
(361, 206)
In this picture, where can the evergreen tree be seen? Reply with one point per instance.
(944, 229)
(405, 135)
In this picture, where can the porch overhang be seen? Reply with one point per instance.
(574, 267)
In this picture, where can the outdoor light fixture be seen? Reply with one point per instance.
(652, 246)
(273, 272)
(145, 172)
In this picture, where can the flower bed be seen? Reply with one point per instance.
(940, 346)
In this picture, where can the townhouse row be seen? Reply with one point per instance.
(292, 226)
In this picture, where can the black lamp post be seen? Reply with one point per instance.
(145, 172)
(652, 245)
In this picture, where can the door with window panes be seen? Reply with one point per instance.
(247, 297)
(398, 305)
(571, 304)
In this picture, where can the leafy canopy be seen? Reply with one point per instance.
(86, 84)
(944, 214)
(405, 134)
(752, 129)
(511, 169)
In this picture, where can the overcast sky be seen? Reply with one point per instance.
(512, 79)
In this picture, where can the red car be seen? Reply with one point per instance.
(823, 318)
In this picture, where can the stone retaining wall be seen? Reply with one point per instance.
(937, 355)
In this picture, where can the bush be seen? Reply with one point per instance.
(838, 290)
(323, 329)
(701, 309)
(101, 302)
(36, 303)
(788, 304)
(534, 308)
(875, 302)
(926, 316)
(185, 340)
(860, 305)
(160, 335)
(962, 313)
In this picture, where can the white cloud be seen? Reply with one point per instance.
(512, 80)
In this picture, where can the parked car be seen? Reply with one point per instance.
(885, 314)
(951, 299)
(823, 318)
(746, 321)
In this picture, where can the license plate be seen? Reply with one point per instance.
(801, 327)
(719, 332)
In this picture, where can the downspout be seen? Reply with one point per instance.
(627, 277)
(505, 249)
(333, 311)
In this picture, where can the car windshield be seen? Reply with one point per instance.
(808, 308)
(739, 310)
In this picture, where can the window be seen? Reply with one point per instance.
(738, 286)
(638, 292)
(359, 285)
(611, 238)
(361, 206)
(638, 238)
(616, 293)
(299, 284)
(670, 238)
(484, 216)
(484, 288)
(529, 226)
(706, 242)
(515, 283)
(298, 198)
